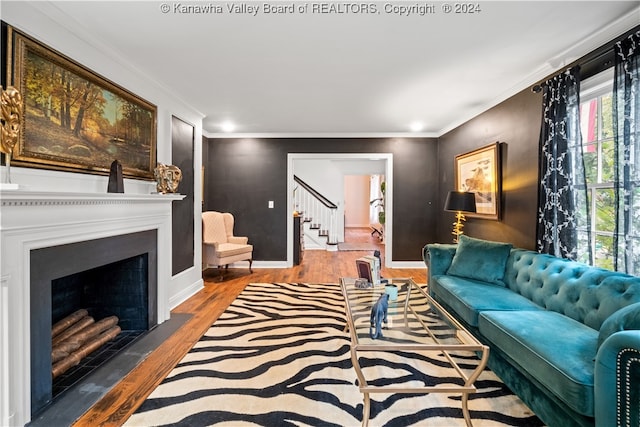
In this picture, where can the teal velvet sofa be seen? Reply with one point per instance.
(563, 336)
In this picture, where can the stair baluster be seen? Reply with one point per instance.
(319, 213)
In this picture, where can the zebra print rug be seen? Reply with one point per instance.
(279, 356)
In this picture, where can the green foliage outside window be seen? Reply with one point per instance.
(598, 150)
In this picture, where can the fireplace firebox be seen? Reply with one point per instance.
(111, 276)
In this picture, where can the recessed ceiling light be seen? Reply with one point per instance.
(228, 126)
(416, 126)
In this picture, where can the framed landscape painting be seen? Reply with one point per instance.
(76, 120)
(479, 172)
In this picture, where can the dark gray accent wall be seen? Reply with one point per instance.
(241, 175)
(515, 123)
(182, 211)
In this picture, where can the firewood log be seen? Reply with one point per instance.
(58, 354)
(72, 330)
(68, 321)
(92, 345)
(63, 350)
(90, 331)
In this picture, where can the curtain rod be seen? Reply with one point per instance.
(592, 63)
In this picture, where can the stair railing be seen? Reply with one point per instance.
(317, 210)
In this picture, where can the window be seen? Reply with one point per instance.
(596, 122)
(608, 202)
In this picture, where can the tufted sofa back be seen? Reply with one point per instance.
(586, 294)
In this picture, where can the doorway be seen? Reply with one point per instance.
(363, 205)
(345, 164)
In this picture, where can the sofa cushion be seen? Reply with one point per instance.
(480, 260)
(624, 319)
(556, 350)
(438, 257)
(469, 297)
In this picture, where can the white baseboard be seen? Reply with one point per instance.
(283, 264)
(259, 264)
(185, 294)
(406, 264)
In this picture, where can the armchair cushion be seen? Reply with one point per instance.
(224, 250)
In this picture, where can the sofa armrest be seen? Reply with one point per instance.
(617, 375)
(438, 257)
(238, 240)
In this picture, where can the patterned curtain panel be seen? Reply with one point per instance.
(626, 111)
(563, 217)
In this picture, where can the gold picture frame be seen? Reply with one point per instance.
(74, 119)
(479, 172)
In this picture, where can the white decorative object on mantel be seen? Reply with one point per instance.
(33, 220)
(9, 186)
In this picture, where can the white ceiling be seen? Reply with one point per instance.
(346, 74)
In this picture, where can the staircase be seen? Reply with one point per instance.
(319, 216)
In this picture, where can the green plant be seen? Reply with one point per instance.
(381, 217)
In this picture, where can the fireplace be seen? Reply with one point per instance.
(46, 240)
(112, 276)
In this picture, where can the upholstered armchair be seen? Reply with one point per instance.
(219, 245)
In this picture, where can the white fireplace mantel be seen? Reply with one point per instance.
(12, 198)
(33, 220)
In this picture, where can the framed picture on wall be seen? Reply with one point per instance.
(74, 119)
(479, 172)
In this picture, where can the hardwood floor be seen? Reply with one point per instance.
(207, 305)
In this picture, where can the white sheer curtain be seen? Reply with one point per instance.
(375, 195)
(626, 131)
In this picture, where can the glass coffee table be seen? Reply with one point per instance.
(416, 323)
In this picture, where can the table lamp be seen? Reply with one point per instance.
(459, 202)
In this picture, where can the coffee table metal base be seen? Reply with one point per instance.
(464, 342)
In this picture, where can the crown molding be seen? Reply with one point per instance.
(302, 135)
(78, 30)
(605, 35)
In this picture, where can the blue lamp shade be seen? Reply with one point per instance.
(459, 201)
